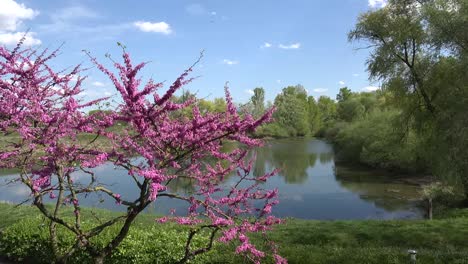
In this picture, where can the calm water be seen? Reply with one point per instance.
(311, 186)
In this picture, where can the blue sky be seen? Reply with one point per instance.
(264, 43)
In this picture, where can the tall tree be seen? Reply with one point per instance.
(327, 108)
(344, 94)
(258, 101)
(292, 110)
(401, 51)
(314, 115)
(419, 52)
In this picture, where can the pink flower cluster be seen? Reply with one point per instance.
(157, 145)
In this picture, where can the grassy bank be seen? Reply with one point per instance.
(443, 240)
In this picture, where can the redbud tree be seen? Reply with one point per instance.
(51, 139)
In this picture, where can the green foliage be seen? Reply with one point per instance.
(375, 142)
(27, 240)
(344, 94)
(327, 109)
(272, 130)
(292, 111)
(300, 241)
(314, 115)
(351, 109)
(420, 53)
(258, 101)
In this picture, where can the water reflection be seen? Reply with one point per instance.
(385, 191)
(294, 157)
(311, 185)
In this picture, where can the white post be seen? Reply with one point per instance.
(412, 254)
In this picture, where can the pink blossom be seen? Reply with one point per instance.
(155, 188)
(156, 145)
(279, 259)
(163, 219)
(117, 198)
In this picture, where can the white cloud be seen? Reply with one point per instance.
(355, 74)
(278, 81)
(213, 13)
(266, 45)
(291, 46)
(320, 90)
(11, 14)
(341, 83)
(98, 84)
(371, 88)
(230, 62)
(378, 3)
(107, 93)
(157, 27)
(251, 92)
(10, 39)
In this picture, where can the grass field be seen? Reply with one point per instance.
(443, 240)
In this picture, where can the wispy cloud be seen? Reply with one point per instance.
(278, 81)
(67, 20)
(98, 84)
(378, 3)
(79, 21)
(371, 88)
(12, 14)
(249, 91)
(71, 13)
(266, 45)
(320, 90)
(156, 27)
(10, 39)
(230, 62)
(291, 46)
(196, 10)
(341, 83)
(356, 74)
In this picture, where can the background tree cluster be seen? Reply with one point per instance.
(418, 120)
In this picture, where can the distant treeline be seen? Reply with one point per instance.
(418, 121)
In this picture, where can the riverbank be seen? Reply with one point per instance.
(301, 241)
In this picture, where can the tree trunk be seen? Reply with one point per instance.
(429, 209)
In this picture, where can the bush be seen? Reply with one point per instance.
(374, 141)
(272, 130)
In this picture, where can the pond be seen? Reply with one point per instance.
(311, 186)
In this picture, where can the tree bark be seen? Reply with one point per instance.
(429, 212)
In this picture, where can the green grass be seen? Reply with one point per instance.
(443, 240)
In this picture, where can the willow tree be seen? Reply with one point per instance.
(418, 52)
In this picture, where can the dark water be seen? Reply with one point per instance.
(310, 184)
